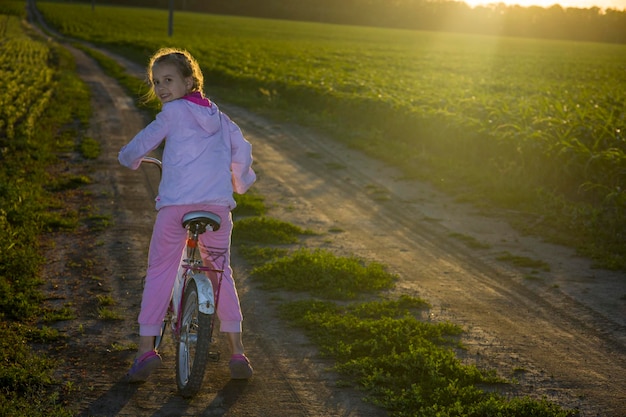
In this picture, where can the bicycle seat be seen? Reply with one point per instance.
(199, 220)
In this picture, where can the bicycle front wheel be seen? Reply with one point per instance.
(192, 349)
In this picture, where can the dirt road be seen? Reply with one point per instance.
(560, 333)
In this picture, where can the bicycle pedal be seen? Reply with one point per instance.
(214, 356)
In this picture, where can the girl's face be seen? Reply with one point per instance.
(168, 83)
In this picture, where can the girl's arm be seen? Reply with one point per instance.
(241, 158)
(145, 141)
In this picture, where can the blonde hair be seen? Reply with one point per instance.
(184, 62)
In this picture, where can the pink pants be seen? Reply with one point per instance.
(166, 246)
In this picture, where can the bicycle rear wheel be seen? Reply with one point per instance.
(192, 349)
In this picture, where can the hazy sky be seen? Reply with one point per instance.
(603, 4)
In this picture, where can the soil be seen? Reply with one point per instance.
(558, 334)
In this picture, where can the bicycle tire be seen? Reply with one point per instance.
(193, 345)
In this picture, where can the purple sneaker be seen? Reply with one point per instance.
(240, 367)
(143, 367)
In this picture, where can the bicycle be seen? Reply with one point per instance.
(194, 302)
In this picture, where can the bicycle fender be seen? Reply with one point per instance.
(206, 299)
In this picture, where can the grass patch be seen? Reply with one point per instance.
(321, 273)
(26, 376)
(377, 193)
(405, 365)
(334, 166)
(44, 335)
(60, 220)
(119, 347)
(108, 314)
(533, 277)
(98, 222)
(89, 148)
(267, 230)
(59, 314)
(66, 182)
(523, 261)
(470, 241)
(249, 204)
(259, 255)
(105, 300)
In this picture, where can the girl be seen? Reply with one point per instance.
(205, 160)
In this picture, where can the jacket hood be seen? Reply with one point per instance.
(204, 112)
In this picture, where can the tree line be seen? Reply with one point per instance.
(555, 22)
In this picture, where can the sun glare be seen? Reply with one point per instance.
(583, 4)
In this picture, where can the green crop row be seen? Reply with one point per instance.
(8, 10)
(35, 81)
(533, 125)
(27, 80)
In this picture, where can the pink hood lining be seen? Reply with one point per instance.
(197, 98)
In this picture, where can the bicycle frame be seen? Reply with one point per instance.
(192, 268)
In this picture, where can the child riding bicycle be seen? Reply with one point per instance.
(205, 159)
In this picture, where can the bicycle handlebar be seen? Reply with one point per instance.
(154, 161)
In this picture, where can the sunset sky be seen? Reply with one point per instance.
(603, 4)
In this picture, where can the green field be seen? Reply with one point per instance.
(532, 125)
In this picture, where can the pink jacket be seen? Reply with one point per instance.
(205, 159)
